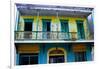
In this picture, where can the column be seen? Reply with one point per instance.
(37, 23)
(88, 52)
(70, 54)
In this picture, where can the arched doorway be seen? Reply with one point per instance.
(56, 55)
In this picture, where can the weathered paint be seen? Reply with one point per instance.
(16, 19)
(79, 47)
(68, 49)
(55, 23)
(31, 48)
(47, 47)
(55, 26)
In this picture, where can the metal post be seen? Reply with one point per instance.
(57, 23)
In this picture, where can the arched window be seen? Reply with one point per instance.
(56, 55)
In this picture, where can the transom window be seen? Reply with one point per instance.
(56, 52)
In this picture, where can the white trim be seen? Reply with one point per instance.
(41, 41)
(51, 7)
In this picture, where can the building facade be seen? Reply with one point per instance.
(47, 34)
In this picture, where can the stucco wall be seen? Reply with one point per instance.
(55, 24)
(45, 47)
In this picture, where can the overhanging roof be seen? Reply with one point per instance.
(32, 9)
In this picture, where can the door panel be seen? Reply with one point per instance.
(28, 28)
(80, 29)
(28, 24)
(56, 59)
(64, 29)
(46, 29)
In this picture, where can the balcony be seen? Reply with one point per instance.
(53, 35)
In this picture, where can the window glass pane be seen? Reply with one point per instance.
(46, 25)
(52, 59)
(80, 56)
(64, 26)
(56, 59)
(60, 59)
(28, 25)
(34, 59)
(56, 52)
(26, 59)
(46, 28)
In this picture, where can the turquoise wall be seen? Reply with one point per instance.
(17, 58)
(68, 48)
(88, 53)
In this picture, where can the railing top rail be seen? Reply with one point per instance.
(46, 31)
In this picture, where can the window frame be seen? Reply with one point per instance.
(80, 56)
(28, 56)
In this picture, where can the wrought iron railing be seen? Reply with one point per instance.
(52, 35)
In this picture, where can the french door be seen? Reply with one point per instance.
(28, 28)
(46, 28)
(80, 29)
